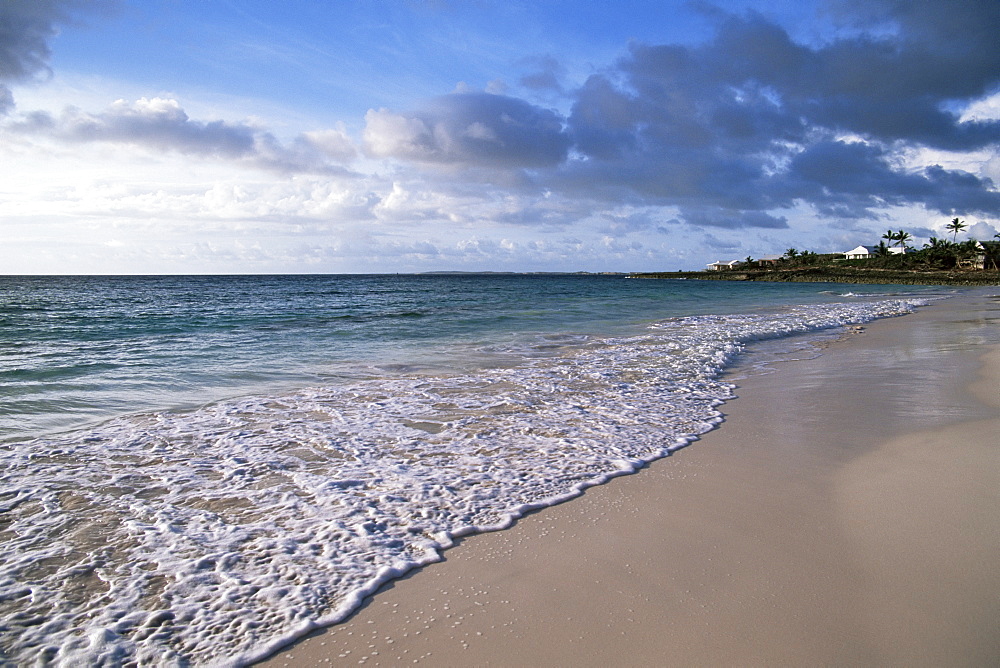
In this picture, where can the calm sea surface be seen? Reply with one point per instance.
(198, 469)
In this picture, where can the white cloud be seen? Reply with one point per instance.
(982, 231)
(388, 134)
(157, 125)
(479, 130)
(984, 109)
(334, 144)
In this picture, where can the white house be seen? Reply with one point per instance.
(865, 252)
(860, 253)
(722, 266)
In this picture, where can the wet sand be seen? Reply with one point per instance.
(846, 512)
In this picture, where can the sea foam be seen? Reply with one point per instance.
(214, 536)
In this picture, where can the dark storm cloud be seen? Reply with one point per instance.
(26, 26)
(948, 49)
(728, 219)
(888, 88)
(473, 129)
(853, 179)
(750, 121)
(954, 192)
(25, 29)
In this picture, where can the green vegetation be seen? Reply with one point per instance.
(897, 238)
(939, 262)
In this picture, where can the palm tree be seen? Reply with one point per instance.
(890, 236)
(748, 261)
(791, 253)
(955, 226)
(902, 237)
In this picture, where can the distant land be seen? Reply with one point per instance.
(524, 273)
(809, 274)
(833, 274)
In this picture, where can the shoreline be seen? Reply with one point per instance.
(768, 541)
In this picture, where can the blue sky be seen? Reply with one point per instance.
(213, 136)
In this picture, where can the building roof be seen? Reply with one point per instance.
(873, 250)
(862, 250)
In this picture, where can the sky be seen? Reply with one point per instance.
(383, 136)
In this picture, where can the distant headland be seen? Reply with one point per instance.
(939, 262)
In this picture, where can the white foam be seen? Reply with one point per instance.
(214, 536)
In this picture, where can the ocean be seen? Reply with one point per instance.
(197, 470)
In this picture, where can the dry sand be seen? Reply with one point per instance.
(846, 513)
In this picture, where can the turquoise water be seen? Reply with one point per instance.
(75, 350)
(198, 469)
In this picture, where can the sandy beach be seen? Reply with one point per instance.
(845, 513)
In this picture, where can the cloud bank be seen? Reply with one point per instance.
(470, 129)
(731, 131)
(159, 124)
(754, 121)
(749, 123)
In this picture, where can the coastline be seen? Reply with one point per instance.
(862, 531)
(826, 274)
